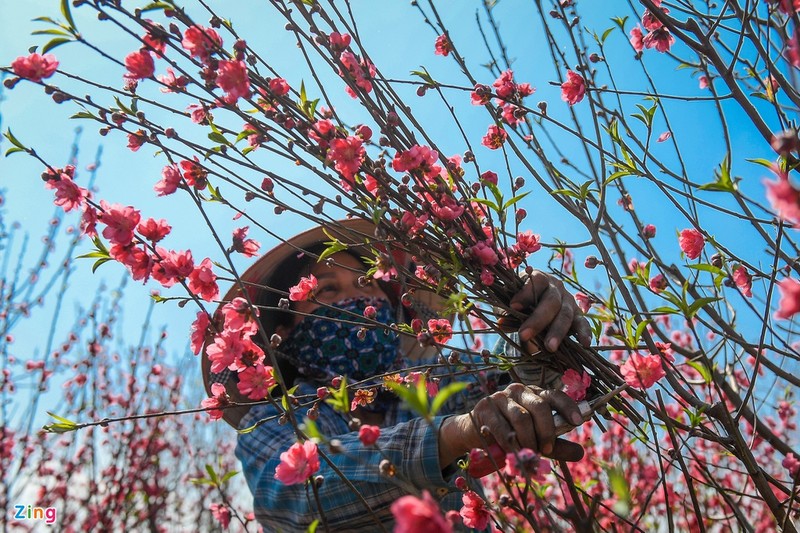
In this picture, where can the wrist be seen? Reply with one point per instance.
(451, 440)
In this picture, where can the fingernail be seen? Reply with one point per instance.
(552, 345)
(547, 449)
(577, 420)
(524, 335)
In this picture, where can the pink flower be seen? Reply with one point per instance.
(278, 86)
(368, 435)
(136, 140)
(527, 463)
(642, 372)
(495, 137)
(573, 90)
(419, 515)
(636, 38)
(474, 513)
(200, 42)
(658, 283)
(441, 329)
(490, 177)
(660, 39)
(219, 398)
(528, 242)
(504, 85)
(172, 83)
(203, 281)
(140, 65)
(743, 280)
(339, 41)
(224, 351)
(120, 222)
(222, 513)
(194, 173)
(298, 463)
(255, 382)
(233, 78)
(197, 113)
(135, 258)
(348, 155)
(35, 67)
(69, 195)
(199, 331)
(575, 384)
(702, 82)
(154, 230)
(483, 253)
(792, 464)
(481, 95)
(443, 46)
(170, 181)
(790, 298)
(649, 231)
(487, 277)
(583, 301)
(664, 137)
(173, 266)
(238, 315)
(304, 289)
(691, 242)
(243, 245)
(482, 463)
(785, 199)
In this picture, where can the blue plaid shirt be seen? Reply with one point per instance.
(407, 441)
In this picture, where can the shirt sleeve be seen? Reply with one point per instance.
(411, 448)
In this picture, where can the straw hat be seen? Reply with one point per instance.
(359, 234)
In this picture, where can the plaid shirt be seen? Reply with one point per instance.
(406, 440)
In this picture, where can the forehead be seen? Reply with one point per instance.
(339, 262)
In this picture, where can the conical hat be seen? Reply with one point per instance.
(355, 232)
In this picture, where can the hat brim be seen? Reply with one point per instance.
(356, 233)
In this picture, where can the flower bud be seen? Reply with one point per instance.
(322, 392)
(591, 262)
(649, 231)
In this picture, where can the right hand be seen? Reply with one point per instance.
(521, 416)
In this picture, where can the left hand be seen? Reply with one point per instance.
(552, 309)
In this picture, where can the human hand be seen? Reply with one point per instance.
(518, 417)
(552, 309)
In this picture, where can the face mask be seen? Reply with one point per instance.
(326, 344)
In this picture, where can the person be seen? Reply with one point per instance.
(324, 337)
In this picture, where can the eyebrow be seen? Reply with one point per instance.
(326, 275)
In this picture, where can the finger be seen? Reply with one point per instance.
(544, 426)
(564, 450)
(545, 312)
(563, 405)
(559, 327)
(522, 424)
(488, 415)
(582, 330)
(531, 292)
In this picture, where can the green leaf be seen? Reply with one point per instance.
(606, 34)
(58, 41)
(493, 206)
(702, 370)
(62, 424)
(67, 14)
(565, 192)
(52, 31)
(665, 310)
(426, 77)
(99, 262)
(312, 527)
(514, 200)
(10, 136)
(212, 475)
(723, 182)
(218, 138)
(705, 267)
(445, 394)
(311, 429)
(13, 150)
(763, 162)
(333, 246)
(83, 114)
(698, 304)
(620, 488)
(620, 21)
(228, 476)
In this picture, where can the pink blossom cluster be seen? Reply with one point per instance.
(658, 36)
